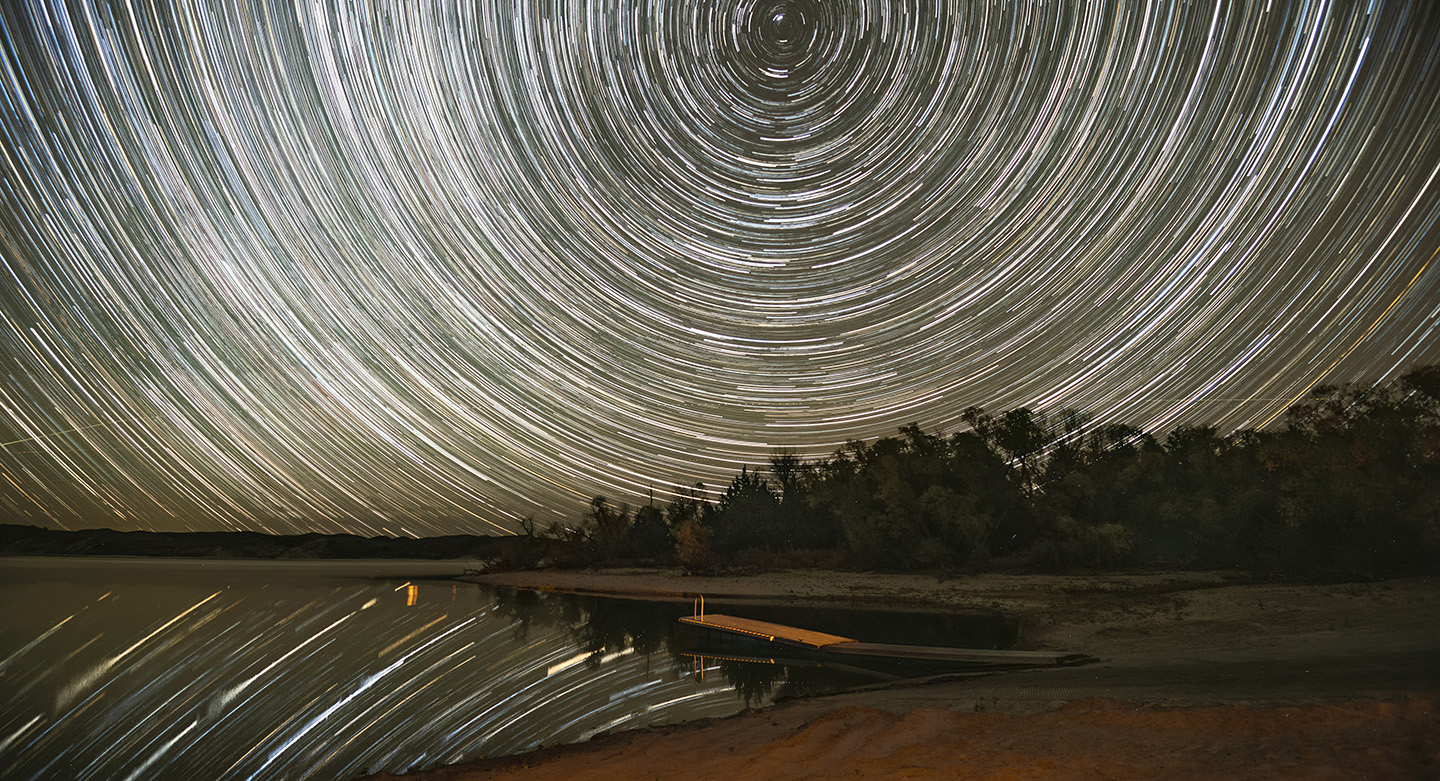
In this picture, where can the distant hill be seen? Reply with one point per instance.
(34, 541)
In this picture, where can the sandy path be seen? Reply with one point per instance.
(1201, 675)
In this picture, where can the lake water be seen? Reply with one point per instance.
(198, 669)
(188, 669)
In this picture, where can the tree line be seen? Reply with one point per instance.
(1347, 486)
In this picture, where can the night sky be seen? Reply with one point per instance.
(424, 268)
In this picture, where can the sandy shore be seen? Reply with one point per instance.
(1200, 675)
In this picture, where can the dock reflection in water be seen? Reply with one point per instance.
(113, 669)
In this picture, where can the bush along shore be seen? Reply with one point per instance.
(1348, 487)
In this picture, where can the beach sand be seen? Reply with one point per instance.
(1198, 675)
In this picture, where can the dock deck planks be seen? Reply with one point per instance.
(775, 633)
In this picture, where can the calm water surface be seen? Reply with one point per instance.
(188, 669)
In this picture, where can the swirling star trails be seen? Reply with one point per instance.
(420, 268)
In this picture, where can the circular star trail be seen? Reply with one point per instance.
(417, 268)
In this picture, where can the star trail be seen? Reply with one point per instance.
(428, 267)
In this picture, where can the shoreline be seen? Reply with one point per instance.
(1204, 673)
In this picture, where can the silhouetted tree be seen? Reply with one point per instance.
(800, 522)
(747, 514)
(649, 536)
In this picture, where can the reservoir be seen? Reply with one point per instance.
(138, 668)
(187, 669)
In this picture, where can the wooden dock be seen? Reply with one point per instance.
(764, 630)
(835, 644)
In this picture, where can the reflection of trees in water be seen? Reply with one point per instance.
(526, 609)
(753, 682)
(598, 625)
(757, 682)
(614, 625)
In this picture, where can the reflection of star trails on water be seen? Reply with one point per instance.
(271, 676)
